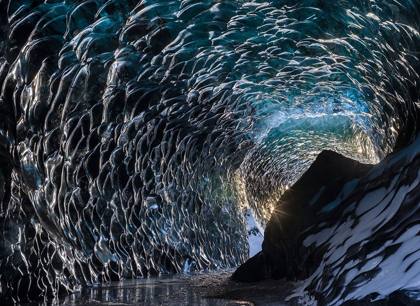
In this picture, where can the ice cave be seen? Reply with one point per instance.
(276, 139)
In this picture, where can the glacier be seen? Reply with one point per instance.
(134, 135)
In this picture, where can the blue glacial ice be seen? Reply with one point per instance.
(135, 134)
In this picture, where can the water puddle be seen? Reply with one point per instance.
(168, 290)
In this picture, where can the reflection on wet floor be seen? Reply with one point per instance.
(164, 290)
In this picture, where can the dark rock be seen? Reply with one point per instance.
(299, 208)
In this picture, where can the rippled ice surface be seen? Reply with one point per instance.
(134, 133)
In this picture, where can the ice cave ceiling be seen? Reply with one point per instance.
(134, 134)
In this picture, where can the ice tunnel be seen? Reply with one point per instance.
(134, 135)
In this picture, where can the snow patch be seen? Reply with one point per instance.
(255, 232)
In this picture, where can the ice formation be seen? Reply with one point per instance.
(134, 134)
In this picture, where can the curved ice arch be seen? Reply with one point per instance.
(124, 123)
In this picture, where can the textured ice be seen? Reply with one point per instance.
(133, 134)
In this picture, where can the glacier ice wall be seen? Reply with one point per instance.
(134, 133)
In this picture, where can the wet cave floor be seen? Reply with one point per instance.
(202, 289)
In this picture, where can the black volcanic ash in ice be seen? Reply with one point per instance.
(133, 134)
(358, 238)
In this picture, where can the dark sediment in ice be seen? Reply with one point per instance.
(355, 239)
(298, 209)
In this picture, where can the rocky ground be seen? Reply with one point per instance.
(265, 293)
